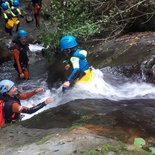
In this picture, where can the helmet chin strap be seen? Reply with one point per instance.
(69, 52)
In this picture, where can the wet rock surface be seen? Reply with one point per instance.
(79, 126)
(133, 113)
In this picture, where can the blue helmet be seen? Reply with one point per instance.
(22, 33)
(5, 6)
(68, 42)
(5, 86)
(16, 3)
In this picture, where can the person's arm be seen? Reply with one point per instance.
(22, 109)
(24, 96)
(5, 17)
(17, 108)
(74, 75)
(19, 12)
(13, 15)
(75, 64)
(16, 57)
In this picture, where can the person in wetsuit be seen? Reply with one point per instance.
(15, 9)
(20, 53)
(11, 97)
(37, 4)
(76, 58)
(8, 16)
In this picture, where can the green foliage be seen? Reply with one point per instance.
(139, 142)
(44, 139)
(74, 17)
(116, 148)
(152, 149)
(46, 39)
(86, 18)
(82, 121)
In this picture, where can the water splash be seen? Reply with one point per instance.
(98, 88)
(35, 47)
(112, 87)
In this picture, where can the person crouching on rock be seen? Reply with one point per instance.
(11, 97)
(15, 9)
(20, 53)
(8, 15)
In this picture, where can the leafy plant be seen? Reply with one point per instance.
(107, 18)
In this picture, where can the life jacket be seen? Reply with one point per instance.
(83, 63)
(1, 114)
(23, 57)
(8, 14)
(9, 115)
(16, 10)
(79, 66)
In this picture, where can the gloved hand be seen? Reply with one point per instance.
(39, 90)
(66, 84)
(67, 66)
(21, 76)
(48, 100)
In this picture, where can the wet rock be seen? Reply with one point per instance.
(131, 147)
(5, 54)
(29, 19)
(148, 69)
(128, 50)
(111, 153)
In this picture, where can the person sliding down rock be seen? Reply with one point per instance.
(76, 59)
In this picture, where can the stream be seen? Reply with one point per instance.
(129, 100)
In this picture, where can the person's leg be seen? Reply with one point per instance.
(8, 31)
(17, 27)
(38, 15)
(26, 74)
(35, 15)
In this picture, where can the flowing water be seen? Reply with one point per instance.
(107, 84)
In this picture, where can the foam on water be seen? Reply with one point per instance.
(35, 47)
(96, 89)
